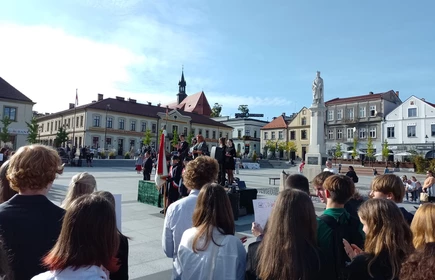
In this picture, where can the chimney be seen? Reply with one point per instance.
(71, 105)
(93, 101)
(100, 97)
(120, 98)
(158, 105)
(371, 92)
(149, 103)
(397, 93)
(283, 114)
(423, 99)
(132, 100)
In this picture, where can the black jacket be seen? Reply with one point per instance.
(183, 150)
(148, 165)
(380, 269)
(30, 226)
(122, 273)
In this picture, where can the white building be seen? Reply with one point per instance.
(18, 108)
(246, 133)
(411, 126)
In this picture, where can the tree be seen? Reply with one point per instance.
(216, 110)
(147, 137)
(354, 152)
(190, 137)
(385, 150)
(33, 127)
(244, 109)
(370, 150)
(175, 139)
(61, 137)
(338, 152)
(271, 146)
(4, 133)
(288, 147)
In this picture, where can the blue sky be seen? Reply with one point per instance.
(259, 53)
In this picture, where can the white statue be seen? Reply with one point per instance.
(318, 89)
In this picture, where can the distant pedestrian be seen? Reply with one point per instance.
(147, 166)
(339, 168)
(301, 167)
(375, 172)
(139, 162)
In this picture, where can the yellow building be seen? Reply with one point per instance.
(299, 132)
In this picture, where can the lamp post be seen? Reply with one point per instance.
(433, 147)
(105, 129)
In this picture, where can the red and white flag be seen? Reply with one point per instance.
(162, 167)
(77, 98)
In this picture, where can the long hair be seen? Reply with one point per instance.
(88, 237)
(423, 225)
(291, 237)
(5, 189)
(420, 264)
(388, 232)
(81, 183)
(213, 210)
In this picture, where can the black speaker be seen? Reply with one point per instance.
(241, 185)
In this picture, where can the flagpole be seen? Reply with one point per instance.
(74, 120)
(166, 200)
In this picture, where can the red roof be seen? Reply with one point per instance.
(366, 97)
(278, 122)
(195, 103)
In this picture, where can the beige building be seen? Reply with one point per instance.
(118, 124)
(299, 132)
(18, 108)
(275, 131)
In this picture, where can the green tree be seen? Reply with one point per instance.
(370, 149)
(385, 150)
(61, 137)
(33, 127)
(4, 133)
(354, 151)
(190, 137)
(175, 139)
(216, 110)
(338, 152)
(243, 109)
(147, 137)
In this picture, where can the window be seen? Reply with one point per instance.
(273, 135)
(227, 136)
(96, 121)
(81, 121)
(175, 128)
(303, 112)
(52, 126)
(143, 127)
(220, 134)
(372, 132)
(255, 134)
(350, 114)
(362, 112)
(121, 124)
(303, 134)
(330, 134)
(133, 125)
(69, 123)
(200, 131)
(292, 135)
(207, 134)
(192, 130)
(339, 114)
(432, 130)
(213, 135)
(265, 136)
(280, 137)
(108, 142)
(109, 122)
(42, 127)
(330, 115)
(247, 132)
(239, 133)
(10, 112)
(390, 132)
(185, 131)
(55, 125)
(339, 133)
(362, 133)
(412, 112)
(304, 121)
(373, 111)
(349, 133)
(153, 128)
(95, 141)
(77, 122)
(411, 131)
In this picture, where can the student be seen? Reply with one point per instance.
(209, 250)
(420, 265)
(299, 182)
(81, 184)
(337, 224)
(390, 186)
(388, 242)
(6, 192)
(423, 225)
(329, 167)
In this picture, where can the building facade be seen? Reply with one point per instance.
(246, 133)
(411, 127)
(299, 133)
(18, 108)
(276, 131)
(360, 118)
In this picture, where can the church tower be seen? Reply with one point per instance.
(181, 88)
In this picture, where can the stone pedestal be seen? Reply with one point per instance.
(282, 178)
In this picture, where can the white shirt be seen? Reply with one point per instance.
(225, 262)
(333, 170)
(83, 273)
(178, 219)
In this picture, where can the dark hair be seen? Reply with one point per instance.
(88, 237)
(222, 140)
(351, 168)
(290, 239)
(231, 140)
(213, 210)
(298, 182)
(420, 264)
(340, 187)
(5, 189)
(181, 135)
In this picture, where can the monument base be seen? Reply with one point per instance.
(313, 165)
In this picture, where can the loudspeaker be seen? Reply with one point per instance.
(241, 185)
(246, 197)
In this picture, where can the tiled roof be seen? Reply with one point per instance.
(7, 91)
(278, 122)
(194, 103)
(366, 97)
(139, 109)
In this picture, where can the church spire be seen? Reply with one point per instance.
(181, 88)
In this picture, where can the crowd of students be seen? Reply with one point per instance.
(42, 241)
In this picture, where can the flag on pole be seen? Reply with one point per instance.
(162, 168)
(77, 98)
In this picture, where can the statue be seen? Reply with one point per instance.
(318, 89)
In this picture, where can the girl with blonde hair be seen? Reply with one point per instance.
(423, 225)
(81, 184)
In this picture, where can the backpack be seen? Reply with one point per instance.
(355, 179)
(350, 232)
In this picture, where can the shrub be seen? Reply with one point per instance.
(112, 155)
(127, 155)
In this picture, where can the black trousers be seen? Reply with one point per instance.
(146, 176)
(221, 175)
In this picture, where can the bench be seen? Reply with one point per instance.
(273, 179)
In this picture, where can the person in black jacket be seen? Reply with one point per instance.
(147, 166)
(183, 148)
(30, 223)
(352, 174)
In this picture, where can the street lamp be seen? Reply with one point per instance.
(105, 129)
(433, 147)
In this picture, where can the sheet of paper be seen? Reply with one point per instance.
(262, 210)
(118, 204)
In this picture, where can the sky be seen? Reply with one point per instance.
(263, 54)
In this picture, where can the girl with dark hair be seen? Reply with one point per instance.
(5, 189)
(388, 242)
(230, 164)
(209, 250)
(87, 244)
(288, 250)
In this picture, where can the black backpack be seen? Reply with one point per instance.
(350, 232)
